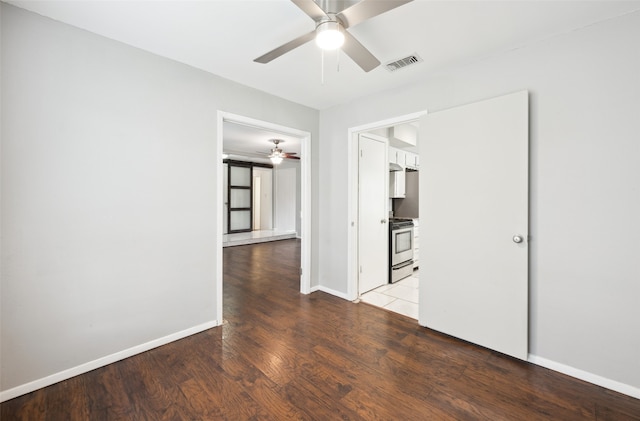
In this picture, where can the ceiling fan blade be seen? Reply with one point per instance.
(359, 53)
(312, 9)
(285, 48)
(366, 9)
(291, 156)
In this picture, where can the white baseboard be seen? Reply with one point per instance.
(332, 292)
(5, 395)
(586, 376)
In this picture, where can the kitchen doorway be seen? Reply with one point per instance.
(353, 287)
(304, 191)
(396, 283)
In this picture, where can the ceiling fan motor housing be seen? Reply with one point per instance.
(333, 7)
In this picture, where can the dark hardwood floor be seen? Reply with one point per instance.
(285, 356)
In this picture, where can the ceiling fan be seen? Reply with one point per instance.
(333, 18)
(277, 155)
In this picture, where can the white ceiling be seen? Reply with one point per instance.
(254, 144)
(224, 36)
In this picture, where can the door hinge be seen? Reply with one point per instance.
(300, 271)
(360, 153)
(360, 268)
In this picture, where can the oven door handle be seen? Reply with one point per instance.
(402, 265)
(401, 230)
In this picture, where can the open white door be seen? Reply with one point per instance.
(474, 178)
(373, 199)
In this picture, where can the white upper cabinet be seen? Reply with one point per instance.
(411, 160)
(397, 185)
(397, 182)
(397, 156)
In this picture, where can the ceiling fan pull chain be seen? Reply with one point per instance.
(322, 67)
(338, 60)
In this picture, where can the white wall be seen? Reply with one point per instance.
(264, 215)
(285, 197)
(585, 191)
(108, 196)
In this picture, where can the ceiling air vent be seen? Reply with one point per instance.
(403, 62)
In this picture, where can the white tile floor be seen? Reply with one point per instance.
(252, 237)
(400, 297)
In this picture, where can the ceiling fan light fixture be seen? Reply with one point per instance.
(276, 153)
(329, 35)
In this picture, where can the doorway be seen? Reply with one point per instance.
(385, 279)
(304, 190)
(474, 243)
(353, 238)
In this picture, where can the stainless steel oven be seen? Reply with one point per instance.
(400, 248)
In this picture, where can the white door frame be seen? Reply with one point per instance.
(352, 186)
(305, 183)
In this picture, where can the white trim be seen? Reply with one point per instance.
(332, 292)
(393, 121)
(586, 376)
(305, 187)
(352, 191)
(305, 213)
(219, 210)
(103, 361)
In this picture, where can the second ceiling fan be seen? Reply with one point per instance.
(332, 21)
(277, 154)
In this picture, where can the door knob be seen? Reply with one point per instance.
(518, 239)
(383, 221)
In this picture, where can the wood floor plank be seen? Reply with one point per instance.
(62, 402)
(281, 355)
(31, 406)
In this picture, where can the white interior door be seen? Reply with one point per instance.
(373, 199)
(474, 209)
